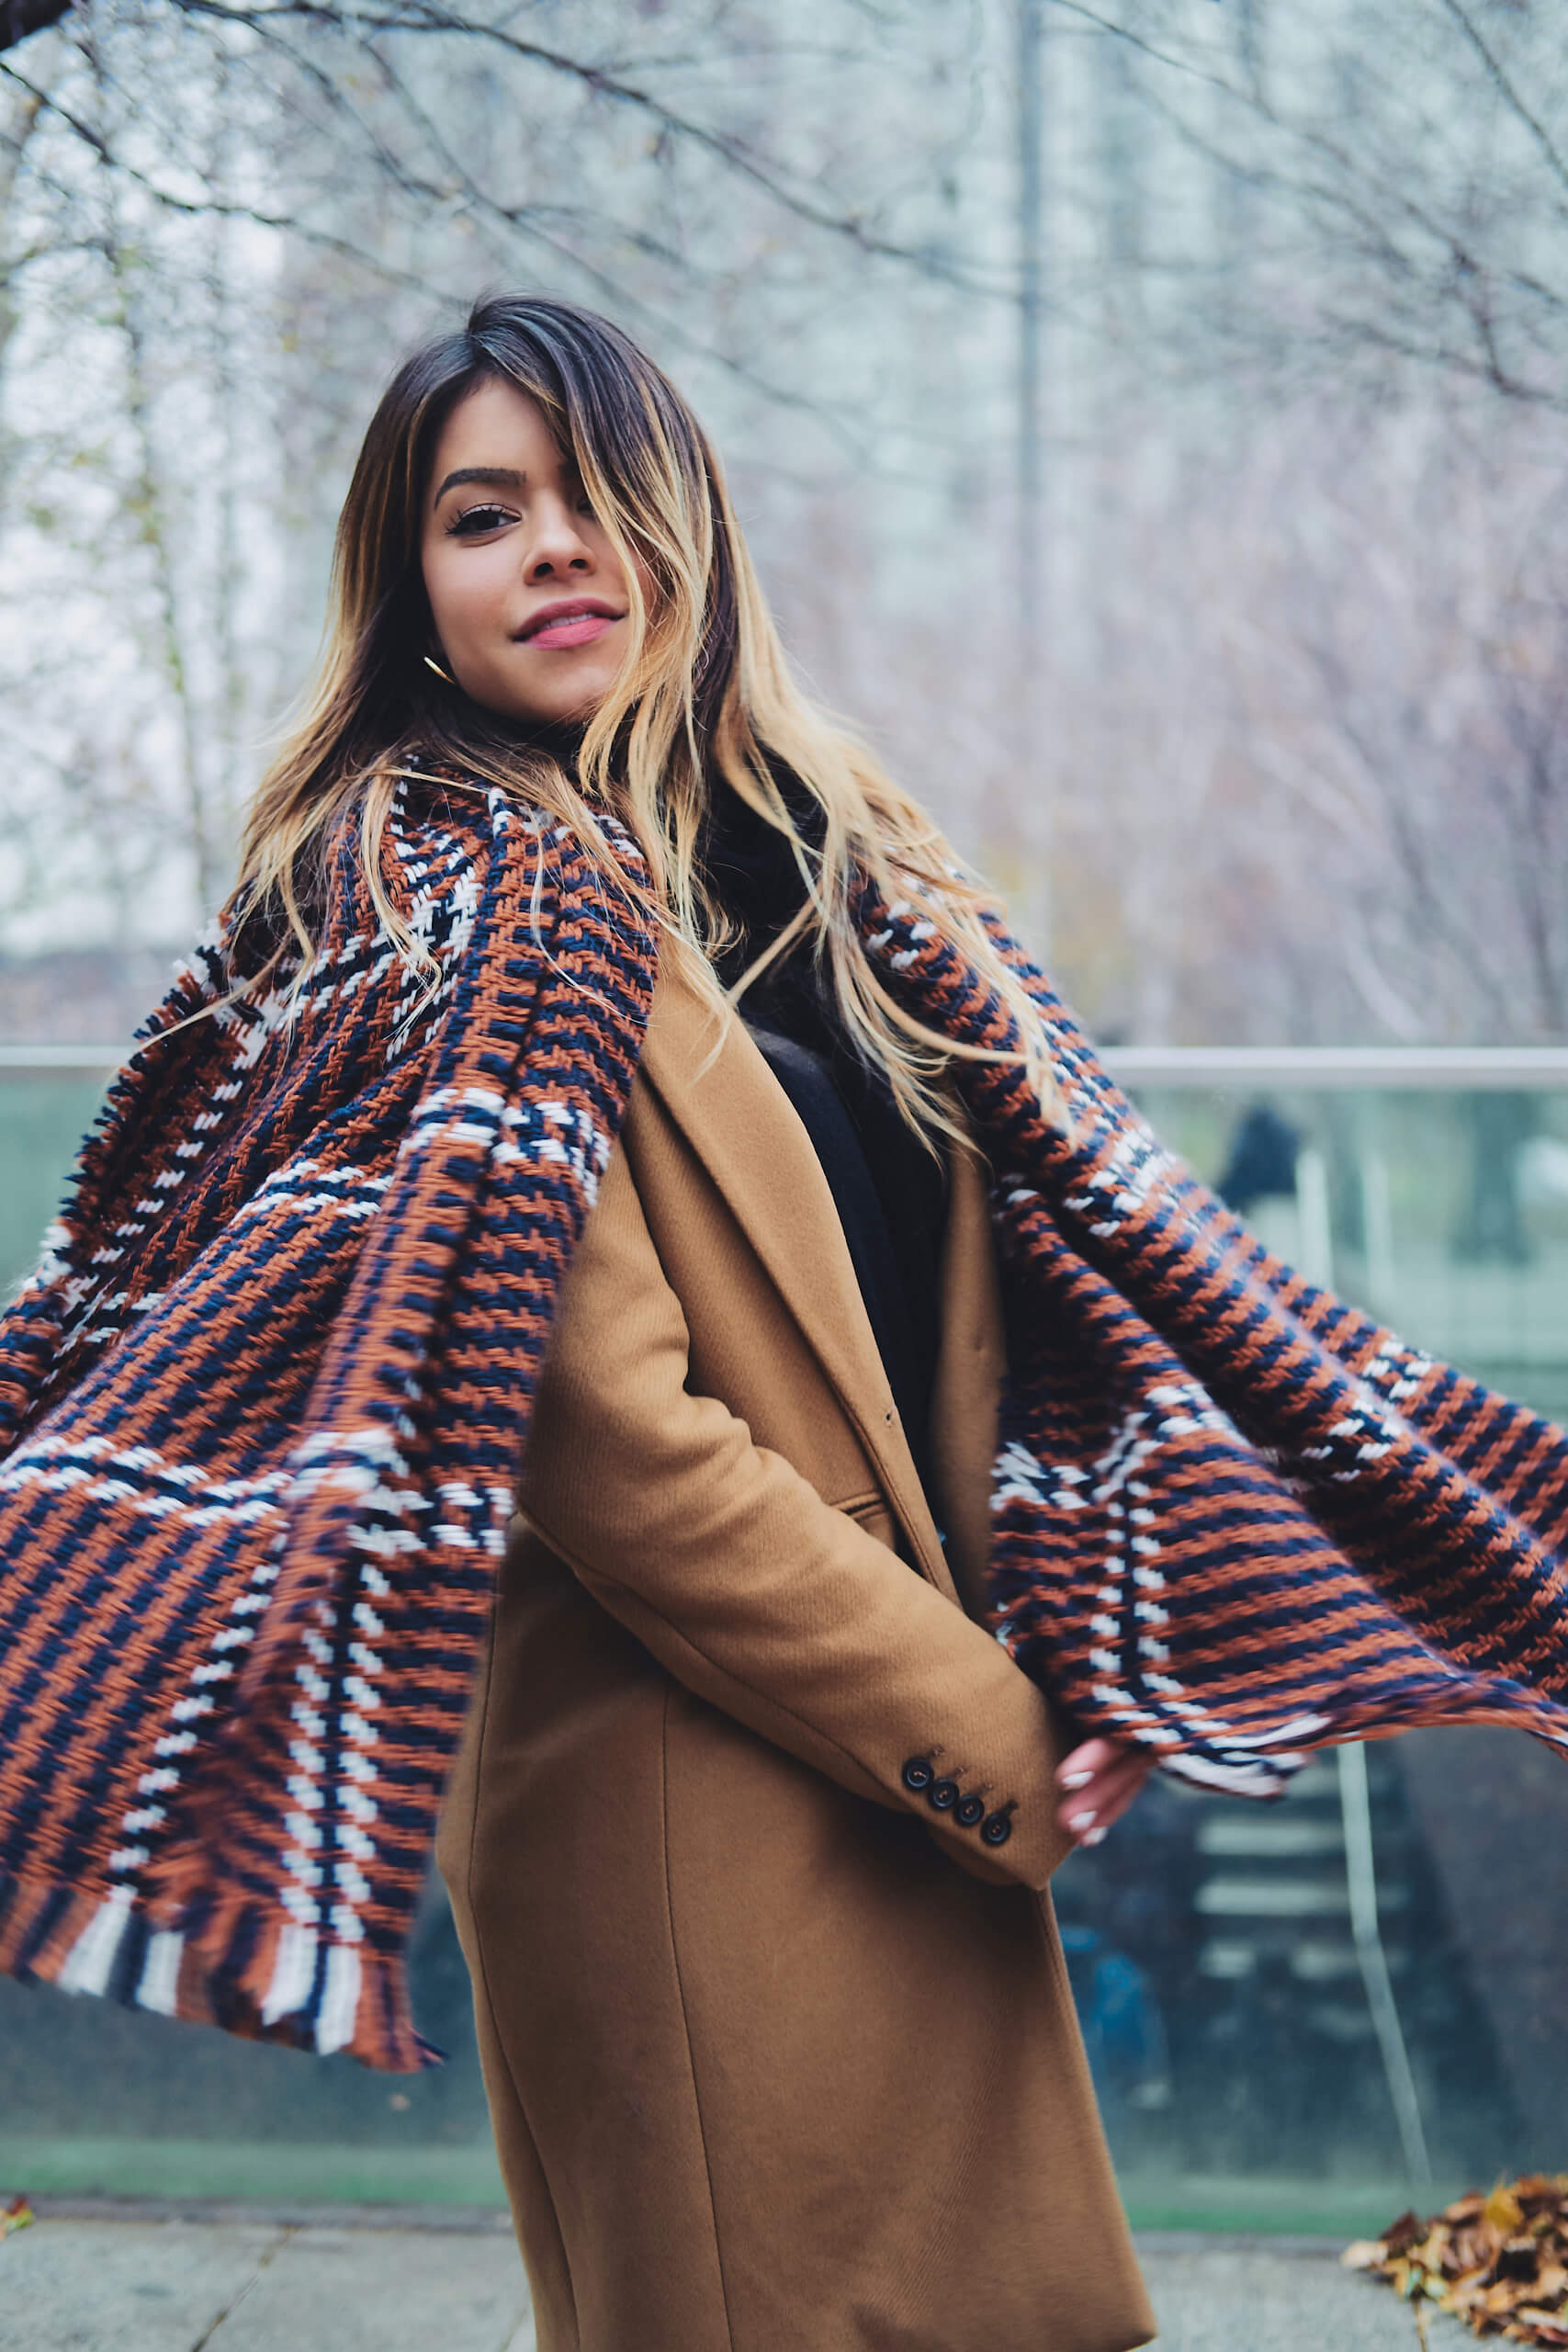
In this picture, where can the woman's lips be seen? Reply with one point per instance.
(572, 629)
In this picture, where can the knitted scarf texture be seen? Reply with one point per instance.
(263, 1405)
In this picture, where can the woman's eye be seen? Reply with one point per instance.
(475, 519)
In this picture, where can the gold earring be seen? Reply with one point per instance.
(432, 663)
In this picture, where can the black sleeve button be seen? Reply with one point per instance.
(919, 1773)
(942, 1795)
(968, 1811)
(997, 1829)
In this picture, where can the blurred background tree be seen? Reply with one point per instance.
(1150, 420)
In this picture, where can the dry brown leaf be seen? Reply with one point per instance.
(1498, 2262)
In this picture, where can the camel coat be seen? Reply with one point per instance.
(780, 2057)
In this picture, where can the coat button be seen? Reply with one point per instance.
(968, 1810)
(942, 1795)
(997, 1829)
(919, 1773)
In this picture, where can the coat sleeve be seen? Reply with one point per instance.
(753, 1591)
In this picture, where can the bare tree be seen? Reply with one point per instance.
(1311, 783)
(1291, 768)
(1348, 193)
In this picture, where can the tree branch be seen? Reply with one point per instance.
(1502, 82)
(425, 18)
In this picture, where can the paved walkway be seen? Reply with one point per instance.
(84, 2283)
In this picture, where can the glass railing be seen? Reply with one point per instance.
(1311, 2013)
(1299, 2016)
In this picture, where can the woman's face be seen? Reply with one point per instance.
(528, 601)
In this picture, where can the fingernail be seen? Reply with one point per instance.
(1074, 1780)
(1081, 1821)
(1093, 1836)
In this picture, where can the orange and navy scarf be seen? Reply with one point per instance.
(263, 1405)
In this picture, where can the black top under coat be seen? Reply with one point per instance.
(890, 1193)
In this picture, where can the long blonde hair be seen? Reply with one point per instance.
(705, 694)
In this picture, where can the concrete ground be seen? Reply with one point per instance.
(154, 2279)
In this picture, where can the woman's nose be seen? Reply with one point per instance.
(556, 543)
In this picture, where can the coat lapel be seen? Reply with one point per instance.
(718, 1090)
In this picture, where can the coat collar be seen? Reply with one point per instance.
(717, 1087)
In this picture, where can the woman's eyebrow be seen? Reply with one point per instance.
(506, 477)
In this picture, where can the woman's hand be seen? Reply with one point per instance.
(1098, 1781)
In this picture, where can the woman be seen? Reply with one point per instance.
(776, 2054)
(750, 1830)
(749, 1836)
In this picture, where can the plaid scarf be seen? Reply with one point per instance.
(263, 1405)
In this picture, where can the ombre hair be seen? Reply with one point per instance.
(705, 694)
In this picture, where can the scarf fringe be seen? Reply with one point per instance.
(232, 1964)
